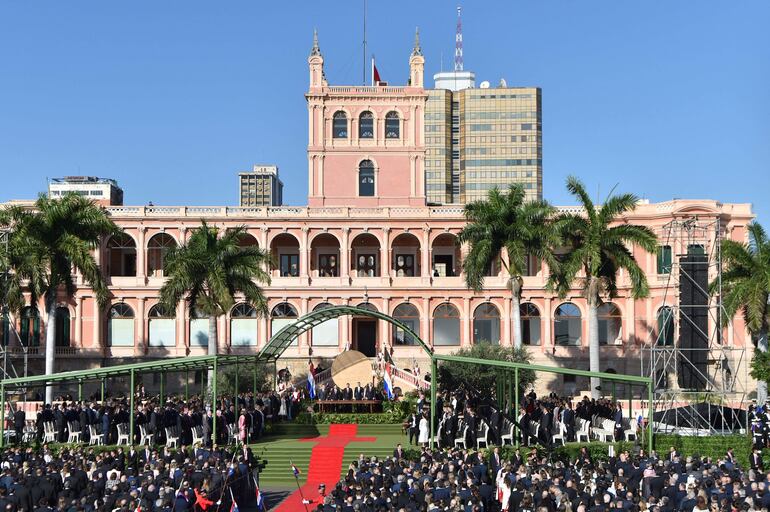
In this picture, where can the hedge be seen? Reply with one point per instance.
(324, 418)
(714, 447)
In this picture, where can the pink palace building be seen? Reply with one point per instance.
(367, 237)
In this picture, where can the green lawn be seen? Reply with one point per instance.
(283, 447)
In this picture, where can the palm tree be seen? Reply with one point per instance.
(595, 253)
(58, 236)
(210, 270)
(746, 287)
(505, 222)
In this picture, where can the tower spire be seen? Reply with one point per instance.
(459, 42)
(417, 50)
(315, 50)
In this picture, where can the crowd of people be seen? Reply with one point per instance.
(537, 421)
(127, 479)
(153, 417)
(469, 481)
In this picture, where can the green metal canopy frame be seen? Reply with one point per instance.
(283, 338)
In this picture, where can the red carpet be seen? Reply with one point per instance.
(325, 465)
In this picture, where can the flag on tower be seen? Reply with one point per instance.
(311, 380)
(388, 383)
(375, 74)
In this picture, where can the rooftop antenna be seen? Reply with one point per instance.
(363, 65)
(459, 42)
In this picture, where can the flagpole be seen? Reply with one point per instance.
(373, 70)
(296, 479)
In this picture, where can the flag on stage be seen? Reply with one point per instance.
(295, 470)
(311, 380)
(387, 383)
(234, 505)
(260, 501)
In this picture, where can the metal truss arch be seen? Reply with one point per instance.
(281, 340)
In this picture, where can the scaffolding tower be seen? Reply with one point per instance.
(698, 387)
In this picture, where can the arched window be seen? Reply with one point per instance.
(121, 325)
(340, 125)
(326, 334)
(243, 325)
(530, 324)
(367, 306)
(567, 325)
(446, 325)
(282, 315)
(366, 179)
(486, 324)
(665, 326)
(157, 248)
(30, 327)
(408, 315)
(610, 323)
(199, 328)
(162, 327)
(62, 327)
(122, 256)
(366, 125)
(392, 125)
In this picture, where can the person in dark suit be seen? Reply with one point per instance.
(523, 425)
(546, 424)
(84, 422)
(618, 418)
(19, 418)
(398, 453)
(756, 460)
(495, 461)
(568, 419)
(358, 393)
(347, 393)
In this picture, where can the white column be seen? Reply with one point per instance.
(385, 260)
(345, 254)
(466, 324)
(141, 340)
(141, 254)
(506, 321)
(304, 269)
(79, 321)
(425, 255)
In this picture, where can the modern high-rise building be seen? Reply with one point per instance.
(477, 139)
(103, 191)
(261, 187)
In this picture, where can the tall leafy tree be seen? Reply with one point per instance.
(596, 251)
(49, 242)
(746, 288)
(506, 223)
(210, 271)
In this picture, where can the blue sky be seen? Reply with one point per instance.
(173, 98)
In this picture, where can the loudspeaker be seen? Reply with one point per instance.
(693, 321)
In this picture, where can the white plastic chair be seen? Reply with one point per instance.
(123, 435)
(49, 432)
(232, 434)
(461, 440)
(94, 437)
(561, 435)
(197, 436)
(74, 432)
(483, 437)
(145, 438)
(172, 437)
(583, 431)
(509, 436)
(631, 431)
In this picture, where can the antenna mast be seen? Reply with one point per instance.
(363, 62)
(459, 42)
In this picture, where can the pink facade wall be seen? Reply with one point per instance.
(384, 291)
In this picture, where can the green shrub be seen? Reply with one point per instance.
(324, 418)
